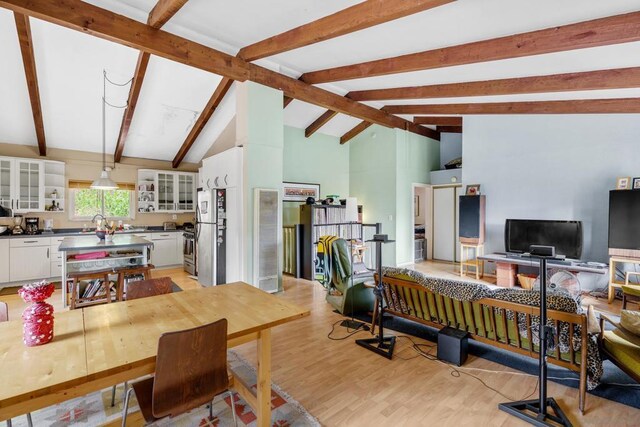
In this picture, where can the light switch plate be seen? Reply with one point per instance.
(174, 216)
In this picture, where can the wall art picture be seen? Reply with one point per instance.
(636, 183)
(473, 190)
(623, 183)
(298, 192)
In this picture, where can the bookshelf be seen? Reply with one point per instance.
(321, 220)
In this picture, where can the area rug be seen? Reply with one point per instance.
(95, 409)
(616, 385)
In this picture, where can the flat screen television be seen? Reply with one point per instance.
(565, 236)
(624, 219)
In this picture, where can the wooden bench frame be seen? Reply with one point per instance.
(572, 319)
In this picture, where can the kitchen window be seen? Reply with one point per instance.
(86, 202)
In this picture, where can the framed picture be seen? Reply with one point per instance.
(473, 190)
(416, 205)
(623, 183)
(636, 183)
(298, 192)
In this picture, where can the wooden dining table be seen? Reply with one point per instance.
(100, 346)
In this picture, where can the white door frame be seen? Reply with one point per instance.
(428, 219)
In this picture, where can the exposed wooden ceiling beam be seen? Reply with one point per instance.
(449, 129)
(569, 82)
(159, 15)
(598, 32)
(319, 122)
(286, 101)
(581, 106)
(214, 101)
(28, 59)
(81, 16)
(438, 120)
(132, 101)
(358, 17)
(354, 132)
(163, 11)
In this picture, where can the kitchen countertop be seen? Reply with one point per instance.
(78, 232)
(83, 243)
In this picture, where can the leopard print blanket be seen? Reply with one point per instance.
(556, 300)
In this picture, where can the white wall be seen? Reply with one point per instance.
(550, 167)
(450, 147)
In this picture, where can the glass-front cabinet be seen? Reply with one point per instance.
(22, 184)
(6, 181)
(30, 185)
(166, 192)
(186, 192)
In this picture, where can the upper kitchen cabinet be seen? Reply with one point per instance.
(224, 170)
(166, 191)
(23, 184)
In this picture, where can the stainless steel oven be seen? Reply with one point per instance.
(189, 252)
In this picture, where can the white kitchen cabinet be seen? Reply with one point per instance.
(224, 170)
(6, 183)
(29, 185)
(164, 250)
(169, 192)
(23, 183)
(4, 261)
(180, 248)
(30, 262)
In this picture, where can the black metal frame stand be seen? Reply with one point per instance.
(536, 412)
(379, 345)
(352, 323)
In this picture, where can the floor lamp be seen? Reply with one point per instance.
(536, 412)
(351, 217)
(379, 345)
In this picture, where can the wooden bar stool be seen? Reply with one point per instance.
(144, 270)
(89, 275)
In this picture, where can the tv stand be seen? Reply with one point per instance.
(507, 267)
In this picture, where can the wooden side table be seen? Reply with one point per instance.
(467, 261)
(613, 282)
(628, 297)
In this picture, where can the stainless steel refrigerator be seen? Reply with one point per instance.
(211, 221)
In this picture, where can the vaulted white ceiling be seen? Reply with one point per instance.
(70, 64)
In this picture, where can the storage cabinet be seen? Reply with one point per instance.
(30, 259)
(166, 192)
(23, 183)
(165, 249)
(224, 170)
(4, 261)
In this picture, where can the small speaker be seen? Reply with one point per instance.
(545, 251)
(471, 219)
(453, 345)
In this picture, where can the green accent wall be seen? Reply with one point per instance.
(260, 130)
(319, 159)
(384, 165)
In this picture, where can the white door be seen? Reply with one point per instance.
(30, 263)
(456, 233)
(443, 223)
(6, 182)
(29, 186)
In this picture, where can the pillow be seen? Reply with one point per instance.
(630, 320)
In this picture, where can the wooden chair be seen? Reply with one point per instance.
(144, 289)
(144, 270)
(4, 317)
(185, 380)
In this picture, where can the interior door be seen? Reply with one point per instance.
(443, 223)
(456, 233)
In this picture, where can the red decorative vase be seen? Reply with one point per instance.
(37, 318)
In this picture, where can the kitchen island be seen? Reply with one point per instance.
(84, 256)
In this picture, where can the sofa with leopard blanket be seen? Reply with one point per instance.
(501, 317)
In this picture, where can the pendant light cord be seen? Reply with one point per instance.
(106, 79)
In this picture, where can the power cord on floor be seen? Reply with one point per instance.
(349, 333)
(457, 371)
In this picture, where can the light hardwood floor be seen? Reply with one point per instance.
(344, 385)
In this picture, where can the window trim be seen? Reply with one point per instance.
(72, 201)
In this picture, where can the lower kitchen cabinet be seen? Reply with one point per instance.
(4, 261)
(165, 249)
(30, 263)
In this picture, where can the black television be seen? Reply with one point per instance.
(565, 236)
(624, 220)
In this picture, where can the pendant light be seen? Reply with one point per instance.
(104, 182)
